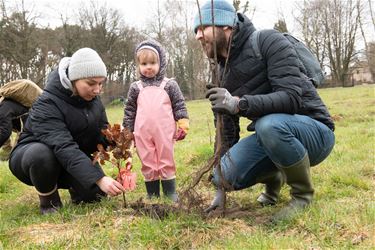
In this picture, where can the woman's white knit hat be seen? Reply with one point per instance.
(86, 63)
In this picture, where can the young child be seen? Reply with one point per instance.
(154, 107)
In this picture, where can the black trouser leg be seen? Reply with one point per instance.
(36, 165)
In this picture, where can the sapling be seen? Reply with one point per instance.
(118, 153)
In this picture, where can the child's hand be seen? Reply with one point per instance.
(134, 142)
(182, 129)
(180, 134)
(129, 135)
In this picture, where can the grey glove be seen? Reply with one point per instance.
(222, 101)
(218, 201)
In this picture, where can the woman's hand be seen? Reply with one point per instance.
(110, 186)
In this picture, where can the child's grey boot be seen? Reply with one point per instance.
(153, 189)
(169, 189)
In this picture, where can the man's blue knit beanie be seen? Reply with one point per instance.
(224, 14)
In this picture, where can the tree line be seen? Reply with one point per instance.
(331, 28)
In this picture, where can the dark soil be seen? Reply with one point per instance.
(153, 210)
(192, 203)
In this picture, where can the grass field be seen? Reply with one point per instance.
(341, 216)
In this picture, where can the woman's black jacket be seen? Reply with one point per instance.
(70, 126)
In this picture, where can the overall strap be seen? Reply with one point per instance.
(164, 82)
(139, 84)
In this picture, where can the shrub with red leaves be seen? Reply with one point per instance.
(118, 153)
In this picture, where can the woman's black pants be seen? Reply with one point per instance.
(36, 165)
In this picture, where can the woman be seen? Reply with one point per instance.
(62, 131)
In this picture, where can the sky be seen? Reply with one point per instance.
(137, 12)
(266, 13)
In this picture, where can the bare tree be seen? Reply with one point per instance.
(330, 28)
(194, 65)
(158, 22)
(71, 37)
(361, 6)
(341, 21)
(108, 34)
(281, 26)
(171, 26)
(311, 24)
(19, 46)
(244, 8)
(372, 14)
(371, 58)
(104, 26)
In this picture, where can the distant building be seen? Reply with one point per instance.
(361, 73)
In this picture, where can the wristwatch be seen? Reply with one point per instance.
(243, 105)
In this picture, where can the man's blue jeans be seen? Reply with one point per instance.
(280, 139)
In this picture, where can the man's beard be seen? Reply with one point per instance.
(221, 45)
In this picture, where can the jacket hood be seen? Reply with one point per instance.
(59, 85)
(242, 31)
(162, 60)
(63, 73)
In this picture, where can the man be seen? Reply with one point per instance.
(293, 129)
(16, 97)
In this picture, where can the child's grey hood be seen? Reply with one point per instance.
(162, 57)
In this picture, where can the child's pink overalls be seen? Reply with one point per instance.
(154, 130)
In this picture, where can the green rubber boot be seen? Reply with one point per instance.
(273, 183)
(301, 189)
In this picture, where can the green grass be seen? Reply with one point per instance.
(341, 217)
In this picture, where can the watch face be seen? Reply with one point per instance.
(243, 105)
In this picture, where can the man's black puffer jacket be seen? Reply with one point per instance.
(273, 86)
(70, 126)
